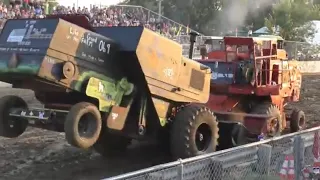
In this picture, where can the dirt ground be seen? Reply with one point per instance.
(44, 155)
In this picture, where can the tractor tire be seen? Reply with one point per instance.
(194, 131)
(270, 109)
(109, 144)
(12, 127)
(83, 125)
(297, 120)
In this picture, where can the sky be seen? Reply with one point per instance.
(87, 3)
(316, 39)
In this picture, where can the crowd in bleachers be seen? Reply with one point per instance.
(99, 16)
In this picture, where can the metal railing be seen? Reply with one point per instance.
(175, 28)
(266, 159)
(301, 51)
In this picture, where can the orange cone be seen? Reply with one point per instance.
(306, 174)
(291, 175)
(284, 169)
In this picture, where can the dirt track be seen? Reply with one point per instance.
(42, 155)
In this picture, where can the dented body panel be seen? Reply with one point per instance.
(167, 72)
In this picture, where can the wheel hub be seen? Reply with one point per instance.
(86, 125)
(203, 137)
(272, 126)
(11, 123)
(301, 123)
(200, 137)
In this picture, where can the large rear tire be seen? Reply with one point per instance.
(245, 137)
(274, 126)
(10, 126)
(83, 125)
(297, 120)
(194, 132)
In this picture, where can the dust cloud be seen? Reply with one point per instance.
(235, 13)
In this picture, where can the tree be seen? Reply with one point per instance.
(211, 17)
(50, 5)
(293, 17)
(199, 15)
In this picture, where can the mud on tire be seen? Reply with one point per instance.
(83, 125)
(12, 127)
(194, 131)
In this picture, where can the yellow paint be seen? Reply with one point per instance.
(163, 121)
(93, 90)
(166, 69)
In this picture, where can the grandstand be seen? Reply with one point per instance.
(116, 15)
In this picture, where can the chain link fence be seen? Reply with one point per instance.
(268, 159)
(301, 51)
(184, 40)
(155, 21)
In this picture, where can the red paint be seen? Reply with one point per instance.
(225, 97)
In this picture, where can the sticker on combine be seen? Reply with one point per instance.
(216, 75)
(16, 35)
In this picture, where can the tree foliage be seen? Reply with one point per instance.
(211, 17)
(291, 19)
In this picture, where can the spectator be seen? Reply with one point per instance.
(106, 16)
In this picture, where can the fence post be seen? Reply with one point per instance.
(264, 159)
(298, 152)
(180, 170)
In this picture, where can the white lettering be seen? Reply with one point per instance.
(216, 75)
(41, 115)
(108, 48)
(24, 43)
(23, 113)
(73, 31)
(88, 40)
(103, 47)
(168, 72)
(114, 115)
(50, 60)
(101, 87)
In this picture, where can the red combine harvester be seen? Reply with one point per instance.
(251, 83)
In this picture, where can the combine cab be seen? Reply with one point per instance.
(105, 86)
(212, 48)
(250, 86)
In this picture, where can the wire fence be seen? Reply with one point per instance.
(172, 28)
(287, 157)
(301, 51)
